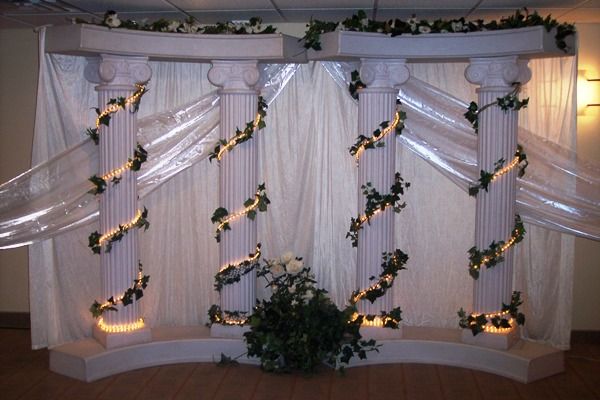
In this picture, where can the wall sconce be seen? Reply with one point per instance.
(588, 92)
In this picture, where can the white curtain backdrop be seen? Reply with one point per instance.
(311, 181)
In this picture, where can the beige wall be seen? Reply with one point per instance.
(18, 75)
(18, 81)
(586, 289)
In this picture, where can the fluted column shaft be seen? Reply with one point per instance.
(117, 77)
(377, 103)
(495, 208)
(237, 175)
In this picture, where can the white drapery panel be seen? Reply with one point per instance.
(311, 180)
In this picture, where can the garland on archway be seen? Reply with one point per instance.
(232, 272)
(190, 26)
(96, 240)
(395, 27)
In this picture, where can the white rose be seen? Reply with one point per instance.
(308, 295)
(173, 26)
(292, 289)
(287, 257)
(424, 29)
(294, 266)
(276, 269)
(457, 26)
(190, 28)
(113, 20)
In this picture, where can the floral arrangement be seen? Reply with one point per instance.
(299, 327)
(413, 26)
(191, 25)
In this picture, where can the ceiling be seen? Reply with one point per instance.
(31, 13)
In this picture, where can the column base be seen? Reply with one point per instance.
(380, 333)
(498, 341)
(228, 331)
(122, 339)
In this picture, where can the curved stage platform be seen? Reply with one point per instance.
(87, 360)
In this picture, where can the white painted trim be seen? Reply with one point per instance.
(89, 40)
(532, 42)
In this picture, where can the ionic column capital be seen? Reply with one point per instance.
(497, 71)
(382, 73)
(111, 70)
(235, 75)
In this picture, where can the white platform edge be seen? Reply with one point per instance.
(88, 361)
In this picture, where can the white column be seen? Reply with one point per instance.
(495, 213)
(117, 77)
(237, 174)
(377, 103)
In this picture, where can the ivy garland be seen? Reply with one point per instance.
(493, 255)
(377, 203)
(224, 317)
(355, 84)
(222, 217)
(413, 26)
(477, 323)
(232, 273)
(140, 155)
(485, 177)
(137, 291)
(113, 106)
(509, 102)
(391, 264)
(370, 142)
(190, 25)
(96, 240)
(242, 136)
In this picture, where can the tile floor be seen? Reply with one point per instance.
(24, 374)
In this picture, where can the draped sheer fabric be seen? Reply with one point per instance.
(304, 160)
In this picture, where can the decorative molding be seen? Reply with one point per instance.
(385, 74)
(118, 70)
(496, 72)
(234, 75)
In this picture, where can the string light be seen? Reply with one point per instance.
(119, 299)
(113, 108)
(370, 141)
(230, 320)
(125, 227)
(503, 248)
(507, 168)
(238, 264)
(241, 213)
(388, 279)
(233, 141)
(118, 171)
(121, 328)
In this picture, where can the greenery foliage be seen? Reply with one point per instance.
(413, 26)
(493, 255)
(477, 322)
(190, 26)
(260, 202)
(94, 238)
(233, 272)
(509, 102)
(136, 291)
(299, 327)
(485, 177)
(377, 202)
(245, 135)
